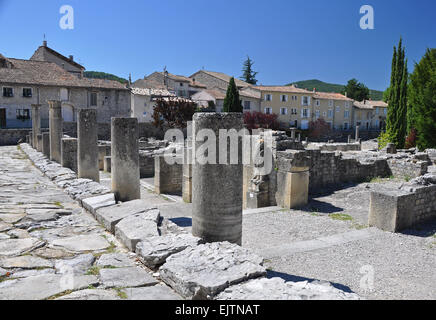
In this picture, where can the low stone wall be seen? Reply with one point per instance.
(396, 210)
(146, 164)
(336, 146)
(168, 178)
(9, 137)
(407, 169)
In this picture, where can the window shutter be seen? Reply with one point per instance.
(308, 101)
(302, 112)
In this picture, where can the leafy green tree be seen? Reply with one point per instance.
(421, 113)
(356, 90)
(231, 101)
(249, 75)
(386, 94)
(396, 121)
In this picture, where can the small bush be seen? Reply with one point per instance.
(411, 139)
(383, 140)
(257, 120)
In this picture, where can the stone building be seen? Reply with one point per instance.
(50, 76)
(180, 86)
(370, 114)
(143, 101)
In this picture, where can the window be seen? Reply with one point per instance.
(305, 113)
(27, 92)
(346, 114)
(268, 97)
(268, 110)
(283, 111)
(284, 98)
(330, 103)
(93, 98)
(317, 113)
(338, 109)
(294, 98)
(181, 84)
(305, 100)
(8, 92)
(330, 113)
(23, 114)
(294, 111)
(347, 104)
(64, 94)
(318, 103)
(345, 125)
(368, 115)
(247, 105)
(324, 113)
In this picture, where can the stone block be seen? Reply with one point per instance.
(69, 153)
(126, 277)
(107, 164)
(103, 151)
(110, 216)
(292, 189)
(137, 227)
(154, 251)
(204, 271)
(94, 203)
(167, 177)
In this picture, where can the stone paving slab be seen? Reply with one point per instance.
(157, 292)
(205, 270)
(126, 277)
(82, 243)
(117, 260)
(15, 247)
(94, 203)
(110, 216)
(91, 294)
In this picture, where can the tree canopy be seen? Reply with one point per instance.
(249, 75)
(356, 90)
(231, 101)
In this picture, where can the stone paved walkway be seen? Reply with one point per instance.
(51, 248)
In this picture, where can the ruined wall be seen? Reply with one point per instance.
(407, 169)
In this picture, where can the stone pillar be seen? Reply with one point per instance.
(293, 131)
(36, 124)
(56, 129)
(357, 133)
(349, 138)
(69, 153)
(107, 164)
(217, 188)
(125, 159)
(103, 151)
(187, 172)
(299, 137)
(87, 150)
(46, 144)
(167, 177)
(39, 142)
(28, 139)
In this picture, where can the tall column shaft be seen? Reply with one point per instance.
(217, 188)
(56, 130)
(87, 149)
(36, 124)
(125, 159)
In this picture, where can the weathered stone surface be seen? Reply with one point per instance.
(94, 203)
(118, 260)
(110, 216)
(278, 289)
(77, 265)
(91, 294)
(15, 247)
(5, 226)
(40, 215)
(154, 251)
(24, 273)
(3, 272)
(25, 262)
(126, 277)
(51, 253)
(4, 236)
(205, 270)
(18, 234)
(43, 286)
(137, 227)
(82, 243)
(157, 292)
(11, 218)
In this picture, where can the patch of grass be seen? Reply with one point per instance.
(93, 271)
(341, 216)
(91, 287)
(165, 198)
(109, 267)
(121, 293)
(358, 226)
(58, 204)
(64, 293)
(407, 178)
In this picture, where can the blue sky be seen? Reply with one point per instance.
(289, 40)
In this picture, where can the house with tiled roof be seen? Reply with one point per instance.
(43, 78)
(370, 114)
(143, 101)
(179, 85)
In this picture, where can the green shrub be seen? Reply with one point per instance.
(383, 140)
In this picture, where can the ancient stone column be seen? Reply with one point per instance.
(167, 177)
(69, 153)
(46, 144)
(36, 124)
(299, 137)
(187, 172)
(87, 150)
(125, 159)
(103, 151)
(349, 139)
(217, 188)
(39, 142)
(293, 131)
(357, 133)
(56, 129)
(107, 164)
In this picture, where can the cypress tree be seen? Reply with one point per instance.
(231, 101)
(422, 101)
(396, 122)
(249, 75)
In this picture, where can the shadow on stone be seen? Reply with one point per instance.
(182, 221)
(424, 230)
(320, 207)
(293, 278)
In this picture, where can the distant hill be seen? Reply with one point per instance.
(331, 87)
(103, 75)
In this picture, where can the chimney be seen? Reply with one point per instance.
(314, 90)
(71, 57)
(44, 43)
